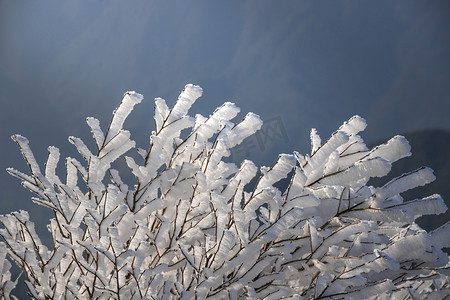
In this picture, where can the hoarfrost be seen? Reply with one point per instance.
(193, 226)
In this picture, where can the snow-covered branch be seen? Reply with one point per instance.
(192, 226)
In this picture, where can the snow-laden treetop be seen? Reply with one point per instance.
(194, 226)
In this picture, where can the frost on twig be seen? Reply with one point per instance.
(193, 227)
(6, 285)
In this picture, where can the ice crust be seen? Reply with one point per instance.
(193, 225)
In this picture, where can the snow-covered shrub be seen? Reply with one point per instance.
(193, 226)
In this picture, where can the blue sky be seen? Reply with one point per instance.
(304, 64)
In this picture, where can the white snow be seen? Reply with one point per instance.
(192, 225)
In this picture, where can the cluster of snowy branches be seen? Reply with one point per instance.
(194, 226)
